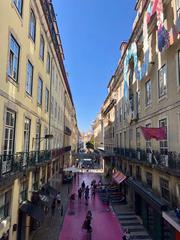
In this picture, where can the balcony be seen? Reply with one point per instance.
(169, 163)
(13, 165)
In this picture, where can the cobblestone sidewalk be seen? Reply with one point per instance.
(51, 227)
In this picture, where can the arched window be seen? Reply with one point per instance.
(42, 45)
(32, 26)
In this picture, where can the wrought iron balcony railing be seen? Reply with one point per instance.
(170, 160)
(10, 165)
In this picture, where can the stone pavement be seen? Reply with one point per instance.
(52, 224)
(130, 221)
(105, 225)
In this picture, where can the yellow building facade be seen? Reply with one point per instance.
(146, 89)
(33, 89)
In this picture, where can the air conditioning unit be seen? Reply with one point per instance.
(149, 157)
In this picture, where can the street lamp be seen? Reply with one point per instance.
(47, 137)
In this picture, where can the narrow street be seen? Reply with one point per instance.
(102, 217)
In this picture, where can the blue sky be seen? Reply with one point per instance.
(91, 33)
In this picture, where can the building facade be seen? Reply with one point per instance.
(33, 91)
(98, 132)
(146, 84)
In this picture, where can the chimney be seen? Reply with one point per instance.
(123, 47)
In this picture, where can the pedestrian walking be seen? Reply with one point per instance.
(58, 198)
(126, 235)
(93, 192)
(79, 193)
(88, 221)
(53, 206)
(86, 194)
(83, 186)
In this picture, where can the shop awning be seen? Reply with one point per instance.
(119, 177)
(33, 210)
(45, 200)
(172, 219)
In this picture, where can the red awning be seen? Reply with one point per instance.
(119, 177)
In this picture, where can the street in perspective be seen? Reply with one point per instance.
(90, 120)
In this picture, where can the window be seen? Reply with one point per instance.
(35, 181)
(148, 93)
(29, 78)
(23, 192)
(178, 8)
(14, 53)
(32, 26)
(164, 186)
(163, 143)
(138, 106)
(40, 88)
(19, 4)
(47, 101)
(46, 142)
(52, 106)
(120, 140)
(138, 173)
(27, 128)
(5, 202)
(9, 137)
(130, 138)
(48, 65)
(149, 179)
(38, 136)
(58, 113)
(120, 114)
(162, 81)
(42, 46)
(138, 139)
(56, 110)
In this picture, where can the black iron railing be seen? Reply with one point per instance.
(13, 164)
(169, 160)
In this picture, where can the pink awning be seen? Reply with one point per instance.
(119, 177)
(156, 133)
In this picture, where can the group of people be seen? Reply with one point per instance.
(85, 190)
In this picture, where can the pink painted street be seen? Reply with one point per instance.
(104, 222)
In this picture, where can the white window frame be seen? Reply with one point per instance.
(164, 92)
(148, 93)
(13, 61)
(42, 47)
(19, 6)
(40, 91)
(29, 78)
(32, 26)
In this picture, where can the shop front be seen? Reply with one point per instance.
(150, 208)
